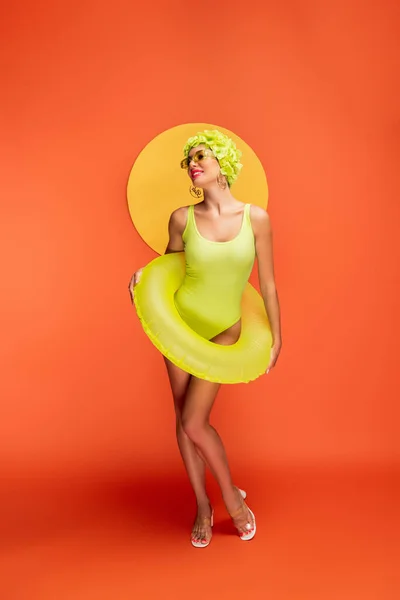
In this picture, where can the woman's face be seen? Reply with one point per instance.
(203, 167)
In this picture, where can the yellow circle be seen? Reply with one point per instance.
(157, 185)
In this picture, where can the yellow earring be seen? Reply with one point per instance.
(195, 192)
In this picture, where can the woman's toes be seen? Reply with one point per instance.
(201, 532)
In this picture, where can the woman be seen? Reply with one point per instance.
(218, 227)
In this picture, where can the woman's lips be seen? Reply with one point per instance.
(195, 174)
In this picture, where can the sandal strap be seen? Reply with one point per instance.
(242, 506)
(237, 512)
(206, 520)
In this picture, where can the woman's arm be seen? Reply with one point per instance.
(264, 250)
(176, 226)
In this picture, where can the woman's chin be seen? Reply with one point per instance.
(197, 183)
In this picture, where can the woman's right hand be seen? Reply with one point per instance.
(134, 281)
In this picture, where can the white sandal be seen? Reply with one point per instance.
(211, 521)
(208, 520)
(245, 536)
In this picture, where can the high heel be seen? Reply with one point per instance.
(205, 520)
(242, 493)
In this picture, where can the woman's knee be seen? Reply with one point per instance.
(193, 428)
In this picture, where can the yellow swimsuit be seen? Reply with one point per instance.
(184, 299)
(209, 299)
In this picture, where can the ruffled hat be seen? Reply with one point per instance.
(223, 148)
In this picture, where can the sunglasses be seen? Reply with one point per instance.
(199, 156)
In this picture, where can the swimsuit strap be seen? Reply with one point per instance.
(246, 216)
(189, 221)
(190, 218)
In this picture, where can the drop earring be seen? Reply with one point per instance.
(221, 181)
(195, 192)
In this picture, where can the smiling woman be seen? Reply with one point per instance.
(199, 310)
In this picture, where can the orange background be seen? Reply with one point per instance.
(313, 88)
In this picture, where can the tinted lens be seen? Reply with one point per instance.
(200, 155)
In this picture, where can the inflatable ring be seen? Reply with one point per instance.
(241, 362)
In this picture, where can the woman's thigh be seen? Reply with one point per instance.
(201, 394)
(229, 336)
(179, 381)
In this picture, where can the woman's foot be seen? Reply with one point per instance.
(242, 517)
(202, 528)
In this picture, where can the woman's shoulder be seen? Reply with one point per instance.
(259, 219)
(178, 218)
(258, 214)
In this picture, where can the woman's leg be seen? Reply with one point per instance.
(199, 400)
(191, 456)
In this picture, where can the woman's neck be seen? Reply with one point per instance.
(216, 197)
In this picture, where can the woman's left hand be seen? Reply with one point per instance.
(275, 350)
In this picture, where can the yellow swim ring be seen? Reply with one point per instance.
(241, 362)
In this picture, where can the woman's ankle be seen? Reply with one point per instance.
(203, 502)
(231, 496)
